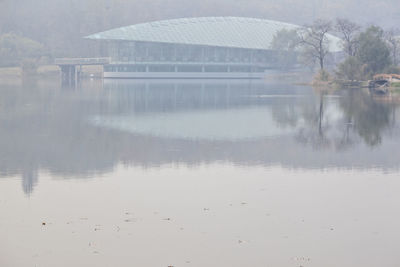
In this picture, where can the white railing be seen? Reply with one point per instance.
(82, 61)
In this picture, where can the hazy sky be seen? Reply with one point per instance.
(60, 24)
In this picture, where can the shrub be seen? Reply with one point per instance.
(29, 66)
(322, 76)
(392, 70)
(14, 49)
(351, 69)
(396, 84)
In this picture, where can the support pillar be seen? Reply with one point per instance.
(69, 75)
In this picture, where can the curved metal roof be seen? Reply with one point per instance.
(238, 32)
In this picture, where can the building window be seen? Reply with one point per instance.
(240, 69)
(189, 69)
(140, 68)
(216, 69)
(161, 68)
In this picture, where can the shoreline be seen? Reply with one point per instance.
(46, 72)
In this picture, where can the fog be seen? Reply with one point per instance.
(272, 139)
(60, 24)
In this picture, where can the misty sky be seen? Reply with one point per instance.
(60, 24)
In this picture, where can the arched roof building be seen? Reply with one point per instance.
(193, 45)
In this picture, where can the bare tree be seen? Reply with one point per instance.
(349, 32)
(315, 40)
(393, 40)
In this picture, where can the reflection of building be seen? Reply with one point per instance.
(29, 180)
(63, 141)
(213, 47)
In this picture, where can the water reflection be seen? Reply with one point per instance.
(84, 132)
(370, 117)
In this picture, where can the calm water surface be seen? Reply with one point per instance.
(197, 173)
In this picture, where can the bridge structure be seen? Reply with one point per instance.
(71, 68)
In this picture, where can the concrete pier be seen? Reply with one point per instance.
(71, 68)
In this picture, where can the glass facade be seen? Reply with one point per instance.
(129, 56)
(135, 52)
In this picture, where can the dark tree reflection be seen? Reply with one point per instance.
(359, 115)
(366, 115)
(315, 125)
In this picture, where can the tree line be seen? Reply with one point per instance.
(366, 51)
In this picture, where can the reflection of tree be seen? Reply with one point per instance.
(347, 103)
(313, 131)
(321, 115)
(361, 115)
(369, 117)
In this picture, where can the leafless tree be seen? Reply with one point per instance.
(393, 39)
(349, 32)
(315, 40)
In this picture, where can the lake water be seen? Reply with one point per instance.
(197, 173)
